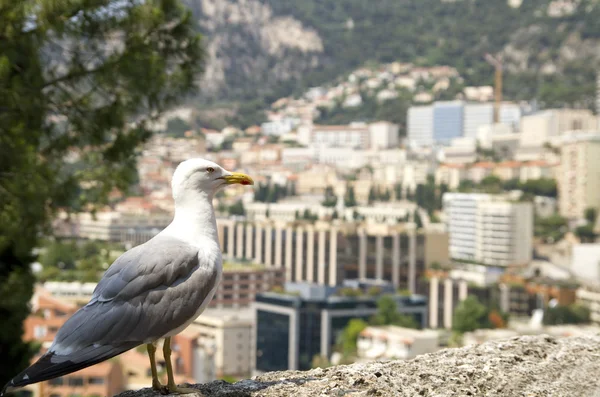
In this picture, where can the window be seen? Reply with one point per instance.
(75, 381)
(96, 381)
(39, 331)
(56, 382)
(54, 395)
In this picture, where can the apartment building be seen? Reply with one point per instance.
(379, 135)
(488, 229)
(448, 121)
(328, 253)
(242, 281)
(420, 125)
(542, 127)
(218, 343)
(579, 175)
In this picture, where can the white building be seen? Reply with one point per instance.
(119, 226)
(539, 128)
(395, 343)
(579, 175)
(362, 136)
(383, 135)
(585, 262)
(420, 125)
(477, 115)
(224, 346)
(487, 229)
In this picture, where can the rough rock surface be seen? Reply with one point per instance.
(525, 366)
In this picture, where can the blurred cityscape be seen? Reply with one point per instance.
(358, 242)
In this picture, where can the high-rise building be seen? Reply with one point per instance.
(307, 320)
(477, 115)
(598, 94)
(487, 229)
(328, 253)
(448, 121)
(579, 175)
(539, 128)
(420, 125)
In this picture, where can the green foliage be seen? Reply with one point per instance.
(68, 96)
(586, 233)
(470, 315)
(590, 215)
(417, 219)
(494, 185)
(330, 197)
(270, 193)
(349, 292)
(350, 335)
(455, 33)
(550, 229)
(237, 208)
(68, 261)
(177, 127)
(309, 216)
(387, 314)
(572, 314)
(349, 198)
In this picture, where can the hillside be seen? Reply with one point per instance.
(260, 50)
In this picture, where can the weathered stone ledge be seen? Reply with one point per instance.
(522, 366)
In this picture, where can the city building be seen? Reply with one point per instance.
(379, 135)
(114, 225)
(395, 343)
(420, 125)
(242, 281)
(476, 116)
(103, 379)
(219, 343)
(448, 121)
(330, 252)
(589, 295)
(542, 127)
(488, 229)
(579, 175)
(306, 320)
(585, 262)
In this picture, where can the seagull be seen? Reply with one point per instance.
(151, 292)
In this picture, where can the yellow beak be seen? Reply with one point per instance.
(237, 177)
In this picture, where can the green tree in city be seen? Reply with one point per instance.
(470, 315)
(237, 208)
(398, 191)
(80, 83)
(330, 197)
(349, 199)
(387, 314)
(350, 335)
(590, 215)
(572, 314)
(372, 195)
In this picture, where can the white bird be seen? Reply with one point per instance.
(152, 291)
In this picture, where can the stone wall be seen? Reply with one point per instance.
(525, 366)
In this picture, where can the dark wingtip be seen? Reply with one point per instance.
(7, 388)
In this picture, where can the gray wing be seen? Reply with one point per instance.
(149, 291)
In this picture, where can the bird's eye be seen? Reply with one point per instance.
(210, 169)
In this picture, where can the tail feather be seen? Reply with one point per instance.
(52, 365)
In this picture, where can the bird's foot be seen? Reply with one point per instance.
(174, 389)
(157, 386)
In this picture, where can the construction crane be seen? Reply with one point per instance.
(496, 62)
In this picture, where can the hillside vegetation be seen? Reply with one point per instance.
(262, 50)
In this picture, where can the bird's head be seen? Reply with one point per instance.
(202, 176)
